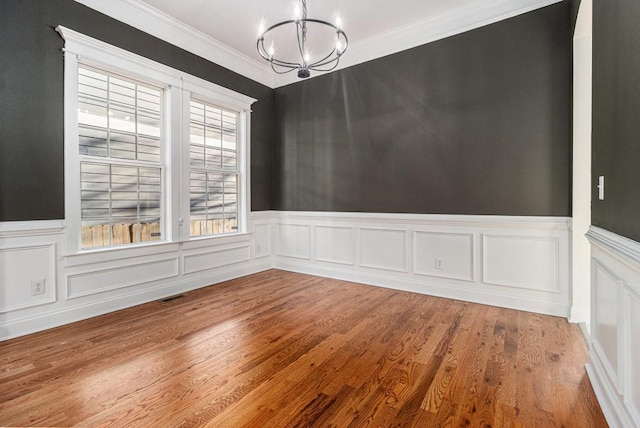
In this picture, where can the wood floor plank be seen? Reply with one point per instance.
(281, 349)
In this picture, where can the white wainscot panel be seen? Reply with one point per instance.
(529, 262)
(262, 239)
(294, 240)
(100, 280)
(633, 354)
(334, 244)
(216, 258)
(383, 249)
(21, 265)
(445, 255)
(606, 289)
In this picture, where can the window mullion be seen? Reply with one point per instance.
(138, 220)
(110, 205)
(108, 117)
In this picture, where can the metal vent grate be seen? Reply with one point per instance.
(171, 298)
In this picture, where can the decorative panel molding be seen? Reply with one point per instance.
(101, 280)
(605, 330)
(445, 255)
(632, 352)
(614, 365)
(97, 282)
(384, 249)
(19, 267)
(262, 239)
(215, 259)
(400, 251)
(335, 244)
(389, 250)
(528, 262)
(29, 251)
(294, 240)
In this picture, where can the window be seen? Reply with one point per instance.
(120, 147)
(213, 160)
(151, 154)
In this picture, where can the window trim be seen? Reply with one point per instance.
(194, 89)
(176, 85)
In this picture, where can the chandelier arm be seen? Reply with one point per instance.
(320, 21)
(320, 62)
(263, 53)
(286, 64)
(333, 64)
(290, 69)
(346, 40)
(326, 60)
(336, 62)
(280, 24)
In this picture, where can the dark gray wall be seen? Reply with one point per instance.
(616, 116)
(478, 123)
(31, 102)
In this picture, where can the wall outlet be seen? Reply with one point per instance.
(258, 248)
(439, 264)
(37, 287)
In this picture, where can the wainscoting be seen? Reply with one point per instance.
(514, 262)
(92, 283)
(614, 357)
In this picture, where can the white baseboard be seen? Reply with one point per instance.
(428, 288)
(78, 312)
(514, 262)
(88, 284)
(610, 401)
(578, 314)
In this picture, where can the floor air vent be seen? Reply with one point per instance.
(171, 298)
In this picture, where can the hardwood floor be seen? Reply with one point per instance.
(280, 349)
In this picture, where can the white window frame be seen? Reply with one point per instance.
(177, 86)
(195, 89)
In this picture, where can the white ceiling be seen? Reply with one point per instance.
(235, 23)
(225, 31)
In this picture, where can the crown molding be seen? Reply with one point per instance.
(455, 21)
(158, 24)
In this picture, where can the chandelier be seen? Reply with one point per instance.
(304, 60)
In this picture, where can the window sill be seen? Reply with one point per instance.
(206, 241)
(98, 255)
